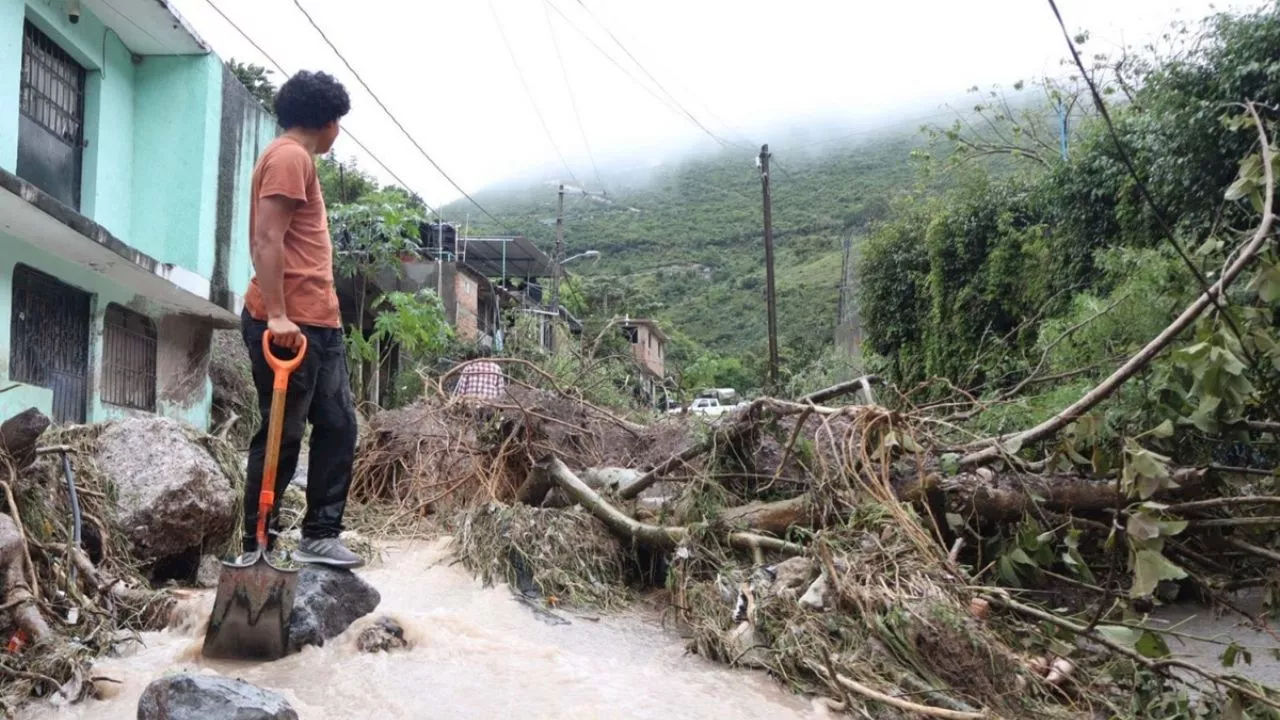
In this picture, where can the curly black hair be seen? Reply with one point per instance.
(311, 101)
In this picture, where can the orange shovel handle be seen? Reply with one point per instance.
(275, 429)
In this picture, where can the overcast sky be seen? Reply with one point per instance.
(738, 66)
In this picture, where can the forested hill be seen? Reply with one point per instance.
(683, 242)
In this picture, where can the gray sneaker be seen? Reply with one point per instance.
(326, 551)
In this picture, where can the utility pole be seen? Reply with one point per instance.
(555, 271)
(770, 297)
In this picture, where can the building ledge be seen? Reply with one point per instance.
(148, 27)
(28, 213)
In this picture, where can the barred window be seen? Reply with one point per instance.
(50, 118)
(52, 90)
(128, 359)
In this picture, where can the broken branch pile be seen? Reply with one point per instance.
(63, 602)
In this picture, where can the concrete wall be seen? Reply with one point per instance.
(648, 350)
(150, 169)
(466, 320)
(177, 117)
(183, 392)
(106, 193)
(246, 130)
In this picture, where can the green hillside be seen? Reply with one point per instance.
(684, 243)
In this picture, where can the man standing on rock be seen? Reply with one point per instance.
(292, 294)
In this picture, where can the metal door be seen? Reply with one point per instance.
(49, 346)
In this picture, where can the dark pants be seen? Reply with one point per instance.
(320, 393)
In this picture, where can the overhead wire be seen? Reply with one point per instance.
(573, 100)
(614, 61)
(392, 116)
(723, 143)
(537, 111)
(346, 131)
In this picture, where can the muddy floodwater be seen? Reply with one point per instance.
(478, 653)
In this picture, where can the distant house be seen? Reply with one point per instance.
(648, 348)
(125, 154)
(483, 282)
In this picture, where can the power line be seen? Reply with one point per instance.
(350, 135)
(573, 101)
(546, 129)
(663, 101)
(391, 115)
(723, 143)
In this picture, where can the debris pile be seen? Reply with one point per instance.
(845, 549)
(63, 603)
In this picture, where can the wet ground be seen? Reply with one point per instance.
(478, 653)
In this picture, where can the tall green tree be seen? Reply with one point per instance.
(257, 79)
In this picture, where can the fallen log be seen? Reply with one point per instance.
(16, 594)
(662, 536)
(773, 518)
(860, 383)
(1007, 497)
(19, 434)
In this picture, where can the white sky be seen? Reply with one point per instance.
(442, 67)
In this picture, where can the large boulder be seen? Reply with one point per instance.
(172, 496)
(201, 697)
(325, 604)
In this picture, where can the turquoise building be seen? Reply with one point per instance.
(125, 154)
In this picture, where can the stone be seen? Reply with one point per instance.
(793, 576)
(172, 496)
(325, 604)
(199, 697)
(209, 572)
(384, 635)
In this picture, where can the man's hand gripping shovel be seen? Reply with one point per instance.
(251, 613)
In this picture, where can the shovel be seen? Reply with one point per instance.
(251, 612)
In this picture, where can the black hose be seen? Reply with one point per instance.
(75, 506)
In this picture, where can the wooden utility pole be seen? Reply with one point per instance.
(555, 270)
(770, 296)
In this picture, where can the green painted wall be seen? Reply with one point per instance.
(194, 410)
(177, 119)
(106, 188)
(10, 76)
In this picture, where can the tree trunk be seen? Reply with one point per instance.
(1006, 497)
(14, 590)
(774, 518)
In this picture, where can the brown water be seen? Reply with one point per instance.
(477, 653)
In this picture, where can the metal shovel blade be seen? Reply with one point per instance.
(251, 612)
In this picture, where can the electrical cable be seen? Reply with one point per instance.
(350, 135)
(546, 129)
(573, 101)
(391, 115)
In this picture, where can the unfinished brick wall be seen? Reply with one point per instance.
(466, 290)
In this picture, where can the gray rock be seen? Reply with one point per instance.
(327, 601)
(384, 635)
(201, 697)
(173, 497)
(209, 572)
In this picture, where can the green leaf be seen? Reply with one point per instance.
(949, 464)
(1163, 430)
(1149, 568)
(1013, 445)
(1143, 527)
(1151, 645)
(1120, 635)
(1169, 528)
(1239, 189)
(1020, 556)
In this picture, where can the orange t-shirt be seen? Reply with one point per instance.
(287, 168)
